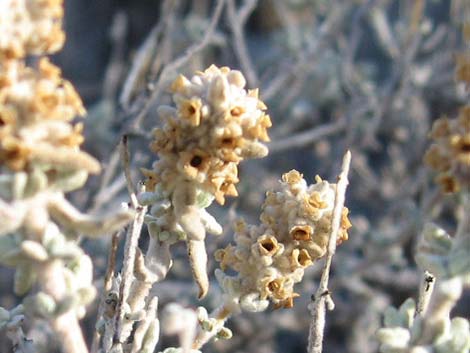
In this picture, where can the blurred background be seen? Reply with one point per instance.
(369, 76)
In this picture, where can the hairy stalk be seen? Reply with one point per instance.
(65, 326)
(220, 316)
(322, 296)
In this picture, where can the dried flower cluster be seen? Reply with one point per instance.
(30, 27)
(40, 160)
(449, 154)
(36, 109)
(214, 125)
(37, 104)
(271, 257)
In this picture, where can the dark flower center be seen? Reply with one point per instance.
(196, 161)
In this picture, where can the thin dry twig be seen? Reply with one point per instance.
(178, 62)
(125, 158)
(307, 57)
(130, 247)
(322, 297)
(237, 20)
(306, 137)
(145, 56)
(108, 280)
(425, 292)
(107, 188)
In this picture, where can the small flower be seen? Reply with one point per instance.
(287, 303)
(300, 258)
(440, 128)
(267, 245)
(292, 177)
(435, 159)
(151, 179)
(190, 110)
(13, 153)
(276, 288)
(194, 163)
(226, 257)
(344, 226)
(301, 232)
(448, 183)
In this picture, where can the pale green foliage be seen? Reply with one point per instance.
(402, 329)
(442, 255)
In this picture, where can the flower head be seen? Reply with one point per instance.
(36, 107)
(449, 155)
(294, 232)
(214, 125)
(30, 27)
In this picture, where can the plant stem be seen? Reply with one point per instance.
(322, 298)
(65, 326)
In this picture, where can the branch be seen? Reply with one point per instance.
(306, 137)
(178, 62)
(130, 248)
(108, 280)
(237, 20)
(425, 293)
(322, 297)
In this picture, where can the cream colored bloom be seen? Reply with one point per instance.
(30, 27)
(449, 154)
(213, 125)
(293, 234)
(36, 108)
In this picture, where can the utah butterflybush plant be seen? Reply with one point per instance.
(309, 67)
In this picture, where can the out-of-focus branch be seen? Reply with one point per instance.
(177, 63)
(307, 137)
(108, 280)
(328, 27)
(130, 248)
(237, 20)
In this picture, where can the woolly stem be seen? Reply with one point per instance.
(221, 314)
(65, 326)
(425, 293)
(322, 297)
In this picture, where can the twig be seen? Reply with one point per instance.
(115, 67)
(307, 137)
(178, 62)
(237, 20)
(108, 174)
(327, 28)
(145, 56)
(108, 279)
(132, 239)
(322, 297)
(425, 293)
(125, 158)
